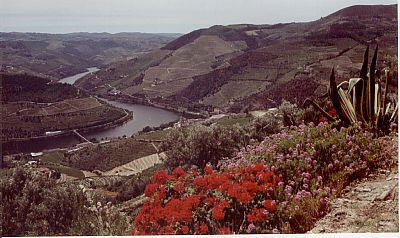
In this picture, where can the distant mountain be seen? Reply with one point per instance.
(243, 66)
(61, 55)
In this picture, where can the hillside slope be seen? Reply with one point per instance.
(61, 55)
(236, 67)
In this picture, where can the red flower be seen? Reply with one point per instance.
(240, 193)
(185, 230)
(202, 229)
(200, 182)
(208, 170)
(160, 177)
(150, 190)
(167, 230)
(259, 167)
(270, 205)
(224, 230)
(322, 119)
(218, 210)
(178, 187)
(256, 215)
(266, 177)
(209, 200)
(178, 172)
(251, 187)
(332, 111)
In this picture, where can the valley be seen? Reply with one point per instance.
(206, 69)
(58, 56)
(200, 133)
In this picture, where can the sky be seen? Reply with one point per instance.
(159, 16)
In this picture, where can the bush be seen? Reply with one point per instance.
(292, 115)
(34, 205)
(281, 185)
(211, 203)
(200, 145)
(314, 160)
(266, 125)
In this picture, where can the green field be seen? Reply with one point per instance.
(53, 160)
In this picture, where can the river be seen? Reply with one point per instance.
(142, 116)
(73, 78)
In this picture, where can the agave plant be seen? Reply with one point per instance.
(365, 100)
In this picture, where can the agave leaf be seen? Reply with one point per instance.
(333, 92)
(377, 98)
(364, 68)
(387, 108)
(343, 84)
(394, 114)
(372, 83)
(363, 90)
(347, 106)
(386, 88)
(356, 98)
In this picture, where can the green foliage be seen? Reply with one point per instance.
(104, 157)
(35, 89)
(200, 145)
(266, 125)
(34, 205)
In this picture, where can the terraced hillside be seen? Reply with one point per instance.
(251, 66)
(32, 106)
(62, 55)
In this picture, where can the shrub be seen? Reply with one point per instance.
(292, 115)
(211, 203)
(311, 159)
(34, 205)
(264, 126)
(200, 145)
(281, 185)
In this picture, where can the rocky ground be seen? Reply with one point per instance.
(369, 205)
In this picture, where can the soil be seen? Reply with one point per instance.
(369, 205)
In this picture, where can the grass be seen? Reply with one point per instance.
(52, 157)
(108, 156)
(231, 121)
(66, 170)
(53, 160)
(154, 135)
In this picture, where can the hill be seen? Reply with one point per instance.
(249, 66)
(61, 55)
(32, 106)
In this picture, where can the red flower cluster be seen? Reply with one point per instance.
(331, 112)
(186, 202)
(256, 215)
(270, 205)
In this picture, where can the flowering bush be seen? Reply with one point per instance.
(281, 185)
(314, 164)
(231, 201)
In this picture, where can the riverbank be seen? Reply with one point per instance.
(128, 116)
(123, 98)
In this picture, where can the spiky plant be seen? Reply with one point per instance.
(365, 100)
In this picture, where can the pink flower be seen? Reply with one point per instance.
(330, 166)
(250, 228)
(275, 231)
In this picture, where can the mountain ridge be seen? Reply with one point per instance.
(228, 67)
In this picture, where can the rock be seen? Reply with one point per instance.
(363, 189)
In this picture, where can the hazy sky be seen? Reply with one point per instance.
(60, 16)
